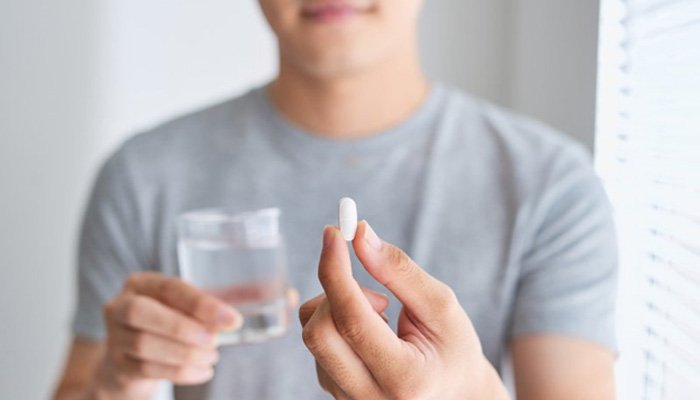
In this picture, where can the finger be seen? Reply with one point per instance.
(360, 326)
(309, 308)
(178, 375)
(335, 356)
(427, 298)
(328, 385)
(178, 294)
(147, 314)
(150, 347)
(379, 302)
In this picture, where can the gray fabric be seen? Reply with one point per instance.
(506, 211)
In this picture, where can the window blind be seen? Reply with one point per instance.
(648, 155)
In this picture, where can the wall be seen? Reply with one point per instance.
(77, 76)
(46, 109)
(552, 63)
(537, 57)
(466, 43)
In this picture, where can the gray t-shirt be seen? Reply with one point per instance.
(506, 211)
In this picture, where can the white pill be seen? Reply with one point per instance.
(347, 218)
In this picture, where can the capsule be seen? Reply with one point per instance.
(347, 218)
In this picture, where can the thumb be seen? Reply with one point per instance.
(424, 296)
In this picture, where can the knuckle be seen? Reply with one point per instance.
(305, 311)
(167, 284)
(446, 298)
(133, 280)
(328, 388)
(450, 295)
(401, 262)
(179, 330)
(402, 393)
(190, 356)
(113, 350)
(143, 368)
(139, 344)
(108, 309)
(181, 374)
(324, 381)
(353, 332)
(326, 274)
(405, 266)
(131, 310)
(337, 393)
(313, 339)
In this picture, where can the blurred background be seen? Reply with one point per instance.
(78, 76)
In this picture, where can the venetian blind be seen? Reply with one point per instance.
(648, 154)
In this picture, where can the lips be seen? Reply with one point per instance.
(327, 11)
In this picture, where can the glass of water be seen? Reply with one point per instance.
(239, 258)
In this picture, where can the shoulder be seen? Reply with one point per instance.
(514, 132)
(187, 139)
(530, 152)
(193, 129)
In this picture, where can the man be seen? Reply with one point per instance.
(507, 227)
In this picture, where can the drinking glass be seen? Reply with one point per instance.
(239, 258)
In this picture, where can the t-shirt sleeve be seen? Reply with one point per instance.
(111, 245)
(568, 276)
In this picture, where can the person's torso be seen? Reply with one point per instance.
(445, 186)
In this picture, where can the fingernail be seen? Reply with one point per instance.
(327, 236)
(204, 375)
(378, 300)
(228, 319)
(371, 238)
(384, 317)
(204, 337)
(214, 357)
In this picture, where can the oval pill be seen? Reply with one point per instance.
(347, 218)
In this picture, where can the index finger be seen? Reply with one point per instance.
(355, 318)
(180, 295)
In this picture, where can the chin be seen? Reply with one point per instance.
(331, 61)
(334, 67)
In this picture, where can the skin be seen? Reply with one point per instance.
(158, 327)
(329, 72)
(435, 353)
(346, 78)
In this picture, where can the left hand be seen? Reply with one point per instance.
(435, 353)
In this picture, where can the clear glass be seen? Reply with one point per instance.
(241, 259)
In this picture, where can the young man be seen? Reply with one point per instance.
(507, 227)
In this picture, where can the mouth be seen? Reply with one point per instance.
(334, 10)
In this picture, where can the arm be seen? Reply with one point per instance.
(79, 372)
(550, 367)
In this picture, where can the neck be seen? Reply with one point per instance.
(353, 106)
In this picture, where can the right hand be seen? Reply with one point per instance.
(160, 328)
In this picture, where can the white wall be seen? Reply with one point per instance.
(466, 43)
(77, 76)
(552, 63)
(535, 56)
(45, 119)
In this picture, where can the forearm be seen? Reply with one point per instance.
(95, 389)
(103, 384)
(91, 392)
(110, 385)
